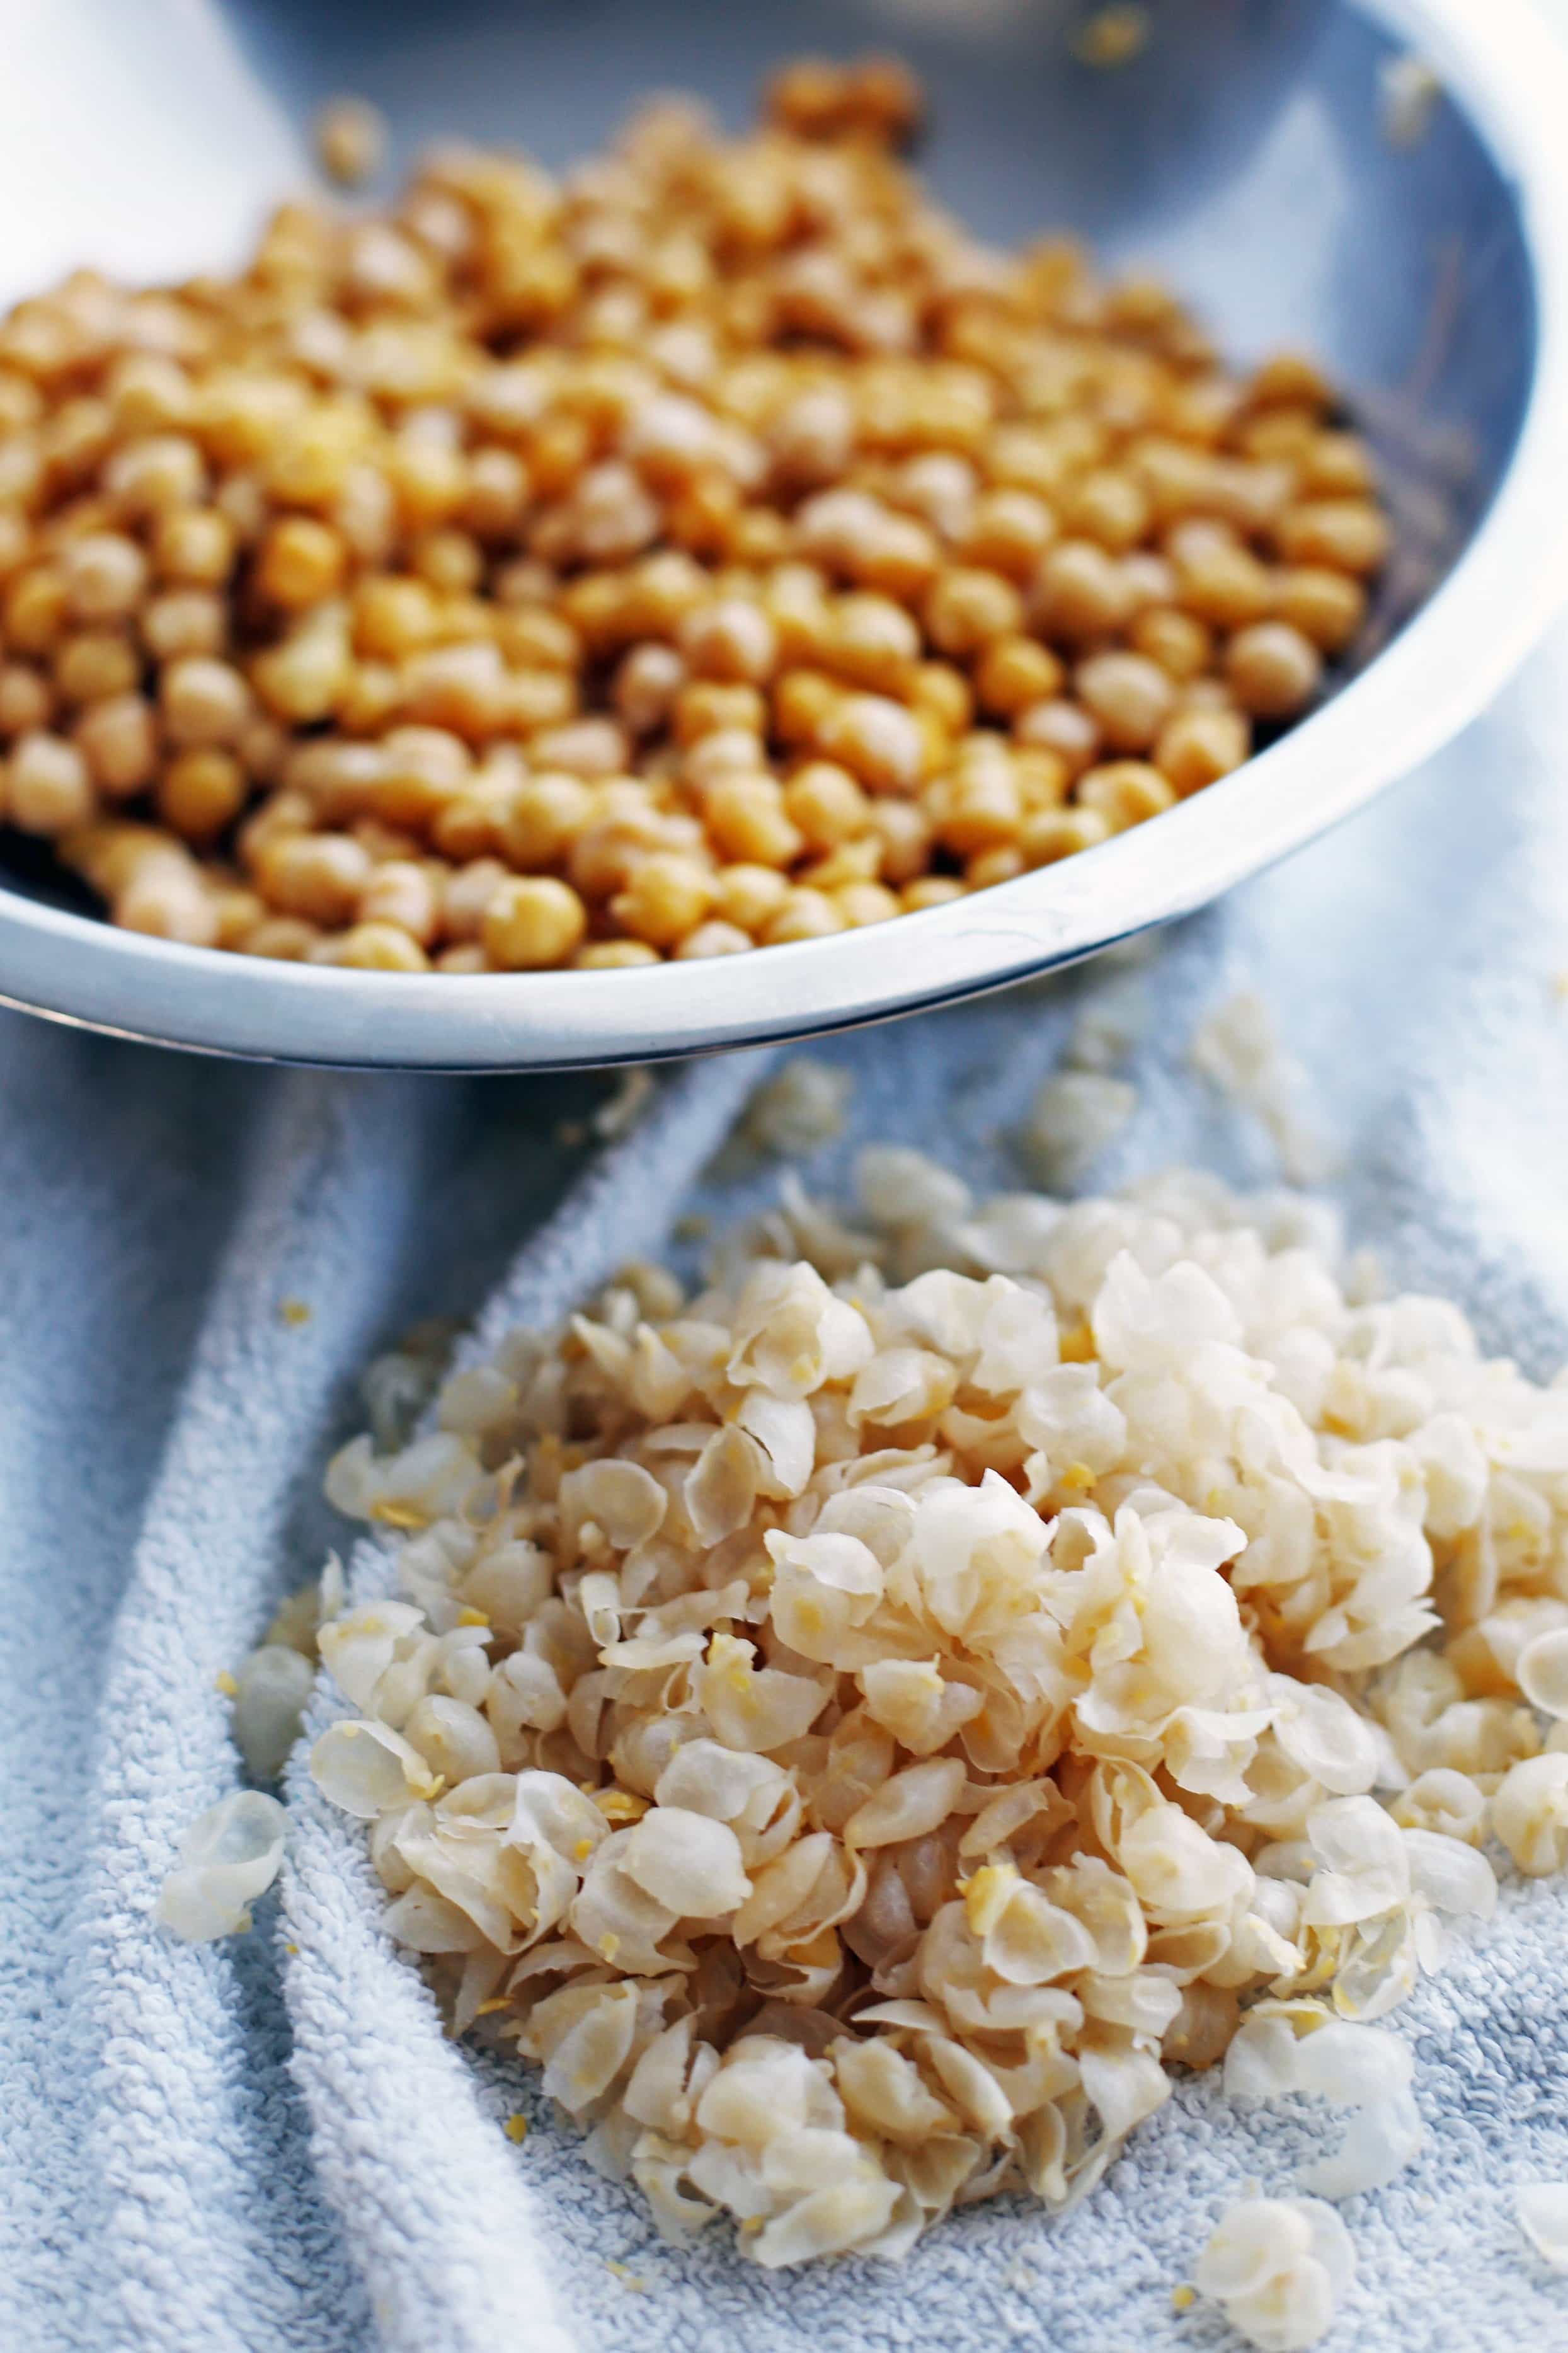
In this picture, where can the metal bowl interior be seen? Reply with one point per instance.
(1246, 155)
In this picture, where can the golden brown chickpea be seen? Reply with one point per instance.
(747, 819)
(870, 641)
(826, 805)
(1110, 508)
(95, 662)
(1124, 793)
(1338, 465)
(1273, 670)
(199, 792)
(966, 609)
(26, 699)
(931, 890)
(749, 896)
(1015, 672)
(1129, 697)
(1054, 834)
(318, 875)
(1345, 534)
(805, 914)
(545, 815)
(299, 561)
(600, 956)
(713, 939)
(667, 895)
(1079, 593)
(118, 738)
(1010, 531)
(48, 788)
(707, 705)
(1224, 585)
(1289, 378)
(1327, 606)
(1196, 747)
(943, 695)
(392, 617)
(401, 893)
(977, 808)
(286, 938)
(1064, 728)
(1178, 642)
(532, 922)
(1004, 863)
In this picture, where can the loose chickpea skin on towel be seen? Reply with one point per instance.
(712, 547)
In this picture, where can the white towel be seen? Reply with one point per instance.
(245, 2147)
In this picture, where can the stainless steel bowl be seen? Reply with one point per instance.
(1250, 154)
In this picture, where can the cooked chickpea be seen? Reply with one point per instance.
(320, 875)
(27, 699)
(749, 896)
(966, 609)
(183, 621)
(878, 740)
(48, 788)
(732, 640)
(747, 819)
(199, 792)
(1129, 697)
(119, 739)
(646, 685)
(1178, 642)
(826, 805)
(1345, 534)
(942, 692)
(931, 890)
(299, 561)
(286, 938)
(1124, 793)
(805, 914)
(1064, 728)
(1327, 606)
(978, 808)
(1273, 669)
(1223, 584)
(1013, 673)
(168, 900)
(373, 945)
(203, 700)
(1008, 532)
(33, 616)
(106, 576)
(532, 922)
(1195, 748)
(604, 956)
(713, 939)
(1110, 508)
(1080, 592)
(1055, 834)
(545, 815)
(666, 896)
(403, 894)
(865, 902)
(94, 663)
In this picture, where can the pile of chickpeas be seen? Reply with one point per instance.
(715, 547)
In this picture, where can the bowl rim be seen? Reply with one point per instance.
(1510, 78)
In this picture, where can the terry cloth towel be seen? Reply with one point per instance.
(268, 2145)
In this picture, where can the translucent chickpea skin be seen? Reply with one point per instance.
(710, 549)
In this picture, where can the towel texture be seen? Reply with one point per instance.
(268, 2144)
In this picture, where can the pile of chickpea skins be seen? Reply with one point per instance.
(715, 547)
